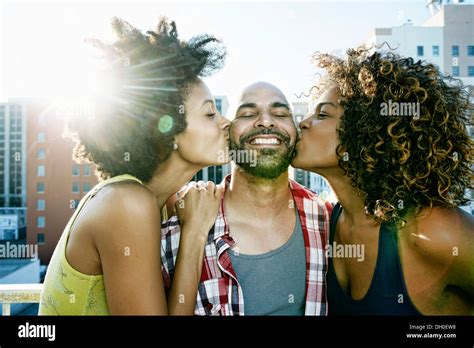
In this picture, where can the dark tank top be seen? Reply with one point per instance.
(387, 294)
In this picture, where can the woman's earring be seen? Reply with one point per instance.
(175, 146)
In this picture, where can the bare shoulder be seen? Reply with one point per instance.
(441, 233)
(123, 208)
(127, 194)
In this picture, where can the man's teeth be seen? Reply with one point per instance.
(265, 141)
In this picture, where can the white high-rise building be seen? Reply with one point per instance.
(446, 39)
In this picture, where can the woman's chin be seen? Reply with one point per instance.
(298, 163)
(219, 163)
(223, 156)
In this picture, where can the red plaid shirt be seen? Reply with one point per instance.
(219, 292)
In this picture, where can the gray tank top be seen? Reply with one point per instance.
(274, 283)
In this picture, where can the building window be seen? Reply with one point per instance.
(41, 137)
(40, 187)
(470, 51)
(75, 170)
(40, 206)
(470, 71)
(40, 170)
(435, 51)
(419, 51)
(41, 222)
(455, 51)
(198, 176)
(455, 71)
(75, 204)
(86, 187)
(41, 154)
(219, 105)
(40, 238)
(87, 170)
(76, 188)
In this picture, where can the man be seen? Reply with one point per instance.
(266, 252)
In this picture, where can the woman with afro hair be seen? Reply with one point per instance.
(155, 126)
(390, 135)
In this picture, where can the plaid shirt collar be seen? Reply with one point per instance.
(221, 227)
(299, 192)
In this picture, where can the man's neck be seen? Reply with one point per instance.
(253, 196)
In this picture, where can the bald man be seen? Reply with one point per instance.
(265, 254)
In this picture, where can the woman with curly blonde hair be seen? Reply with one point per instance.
(390, 136)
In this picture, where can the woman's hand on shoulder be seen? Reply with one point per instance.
(197, 206)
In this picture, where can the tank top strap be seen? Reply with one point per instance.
(336, 211)
(123, 177)
(87, 198)
(388, 272)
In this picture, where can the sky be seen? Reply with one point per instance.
(42, 52)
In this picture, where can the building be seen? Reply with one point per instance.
(16, 266)
(55, 183)
(40, 185)
(12, 155)
(446, 39)
(215, 173)
(12, 173)
(12, 224)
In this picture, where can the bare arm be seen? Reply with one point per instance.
(462, 270)
(129, 246)
(448, 245)
(182, 296)
(197, 212)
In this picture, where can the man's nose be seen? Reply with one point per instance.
(265, 121)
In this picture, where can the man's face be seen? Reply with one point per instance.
(264, 124)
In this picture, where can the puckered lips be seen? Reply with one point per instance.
(265, 140)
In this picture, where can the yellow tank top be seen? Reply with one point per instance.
(67, 291)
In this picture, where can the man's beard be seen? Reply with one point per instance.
(270, 162)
